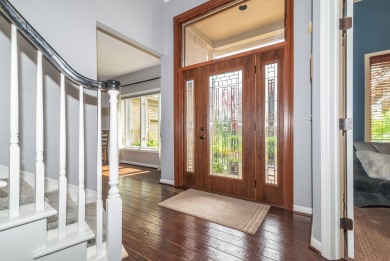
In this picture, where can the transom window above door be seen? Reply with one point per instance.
(236, 27)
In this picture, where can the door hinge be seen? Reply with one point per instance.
(345, 124)
(255, 183)
(346, 224)
(255, 69)
(345, 23)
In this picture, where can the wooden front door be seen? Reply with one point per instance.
(234, 127)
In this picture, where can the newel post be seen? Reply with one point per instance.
(114, 201)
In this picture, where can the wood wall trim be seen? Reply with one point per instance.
(289, 166)
(179, 96)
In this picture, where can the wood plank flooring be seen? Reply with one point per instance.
(151, 232)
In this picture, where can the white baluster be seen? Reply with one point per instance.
(62, 178)
(14, 150)
(114, 201)
(99, 201)
(81, 218)
(39, 164)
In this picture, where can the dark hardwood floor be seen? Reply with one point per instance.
(151, 232)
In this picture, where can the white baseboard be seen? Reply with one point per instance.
(51, 185)
(167, 182)
(315, 243)
(304, 210)
(139, 164)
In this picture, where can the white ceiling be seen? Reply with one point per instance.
(233, 21)
(116, 57)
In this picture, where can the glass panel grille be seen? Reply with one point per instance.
(152, 136)
(271, 119)
(190, 125)
(135, 122)
(225, 124)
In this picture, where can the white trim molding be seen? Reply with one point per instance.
(140, 93)
(367, 91)
(304, 210)
(316, 244)
(349, 134)
(329, 113)
(167, 182)
(139, 164)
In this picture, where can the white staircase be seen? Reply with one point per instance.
(24, 224)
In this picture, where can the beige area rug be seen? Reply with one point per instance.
(372, 234)
(231, 212)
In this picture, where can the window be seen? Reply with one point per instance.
(236, 27)
(140, 122)
(378, 97)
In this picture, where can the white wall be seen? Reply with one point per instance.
(5, 58)
(316, 224)
(27, 90)
(171, 9)
(302, 104)
(70, 28)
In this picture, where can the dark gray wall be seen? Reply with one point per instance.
(371, 33)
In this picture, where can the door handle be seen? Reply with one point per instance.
(202, 137)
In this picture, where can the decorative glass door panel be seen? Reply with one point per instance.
(235, 138)
(190, 153)
(224, 129)
(271, 123)
(225, 124)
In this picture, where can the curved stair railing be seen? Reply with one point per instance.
(113, 203)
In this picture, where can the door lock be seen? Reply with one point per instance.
(202, 137)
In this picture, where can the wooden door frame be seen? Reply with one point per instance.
(179, 94)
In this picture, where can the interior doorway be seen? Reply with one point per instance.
(139, 72)
(371, 130)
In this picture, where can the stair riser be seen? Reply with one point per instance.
(77, 252)
(19, 243)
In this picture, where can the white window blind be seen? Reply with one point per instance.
(379, 98)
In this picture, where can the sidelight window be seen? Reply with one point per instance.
(271, 122)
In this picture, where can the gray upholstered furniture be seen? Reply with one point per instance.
(369, 191)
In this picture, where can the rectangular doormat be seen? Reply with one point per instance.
(231, 212)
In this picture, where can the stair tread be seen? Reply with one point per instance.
(28, 197)
(73, 237)
(71, 210)
(27, 214)
(27, 194)
(72, 215)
